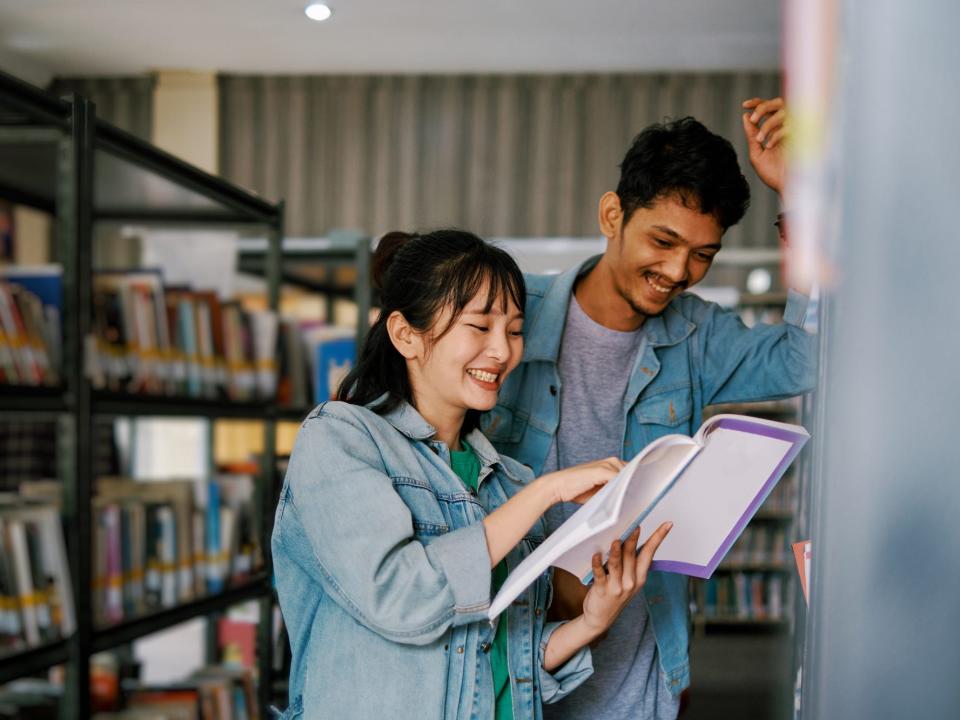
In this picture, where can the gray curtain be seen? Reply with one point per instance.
(504, 156)
(126, 102)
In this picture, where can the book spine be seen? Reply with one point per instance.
(113, 591)
(168, 556)
(215, 577)
(24, 582)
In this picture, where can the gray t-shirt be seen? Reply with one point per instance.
(595, 366)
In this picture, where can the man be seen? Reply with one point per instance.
(617, 354)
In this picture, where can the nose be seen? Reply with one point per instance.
(498, 347)
(674, 267)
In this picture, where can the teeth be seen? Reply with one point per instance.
(484, 376)
(655, 286)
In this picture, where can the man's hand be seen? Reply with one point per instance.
(766, 127)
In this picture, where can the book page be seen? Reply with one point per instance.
(600, 513)
(716, 493)
(649, 480)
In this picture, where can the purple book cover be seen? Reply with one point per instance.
(795, 436)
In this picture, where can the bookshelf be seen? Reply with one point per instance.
(337, 266)
(58, 157)
(752, 590)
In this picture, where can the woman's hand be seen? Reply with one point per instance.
(580, 482)
(612, 589)
(625, 575)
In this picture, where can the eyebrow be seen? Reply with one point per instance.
(677, 236)
(518, 316)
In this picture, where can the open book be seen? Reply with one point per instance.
(709, 486)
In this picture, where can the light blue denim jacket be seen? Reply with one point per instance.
(697, 354)
(383, 576)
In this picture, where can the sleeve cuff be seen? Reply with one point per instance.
(795, 311)
(463, 557)
(569, 676)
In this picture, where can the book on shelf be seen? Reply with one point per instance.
(30, 698)
(210, 693)
(803, 555)
(31, 306)
(161, 543)
(156, 339)
(213, 692)
(36, 597)
(314, 359)
(709, 486)
(743, 596)
(332, 351)
(759, 544)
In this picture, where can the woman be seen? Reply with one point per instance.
(395, 509)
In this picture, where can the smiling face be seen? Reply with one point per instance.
(461, 365)
(660, 251)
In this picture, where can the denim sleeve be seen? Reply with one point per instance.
(569, 676)
(362, 547)
(741, 364)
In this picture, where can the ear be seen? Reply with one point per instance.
(610, 215)
(405, 339)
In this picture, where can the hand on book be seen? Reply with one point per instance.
(625, 575)
(580, 482)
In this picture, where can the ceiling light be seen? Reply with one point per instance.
(318, 11)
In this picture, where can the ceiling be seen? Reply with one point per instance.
(41, 38)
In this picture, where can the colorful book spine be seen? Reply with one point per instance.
(215, 574)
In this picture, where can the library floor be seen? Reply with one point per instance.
(737, 677)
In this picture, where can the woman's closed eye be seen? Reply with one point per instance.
(481, 328)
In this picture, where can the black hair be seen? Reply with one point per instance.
(418, 276)
(683, 158)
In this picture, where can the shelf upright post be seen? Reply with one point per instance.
(809, 515)
(364, 291)
(268, 472)
(74, 218)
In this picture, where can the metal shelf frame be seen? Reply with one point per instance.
(73, 140)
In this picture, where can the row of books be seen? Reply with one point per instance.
(759, 543)
(170, 340)
(156, 339)
(744, 596)
(784, 496)
(30, 325)
(214, 692)
(314, 359)
(158, 544)
(36, 597)
(153, 339)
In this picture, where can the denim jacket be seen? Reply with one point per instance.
(383, 575)
(697, 354)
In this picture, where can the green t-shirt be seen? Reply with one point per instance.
(467, 467)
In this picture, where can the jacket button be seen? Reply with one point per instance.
(553, 389)
(538, 612)
(446, 647)
(460, 650)
(485, 647)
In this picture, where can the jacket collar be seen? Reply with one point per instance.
(405, 418)
(408, 421)
(546, 327)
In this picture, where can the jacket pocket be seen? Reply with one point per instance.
(421, 500)
(669, 408)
